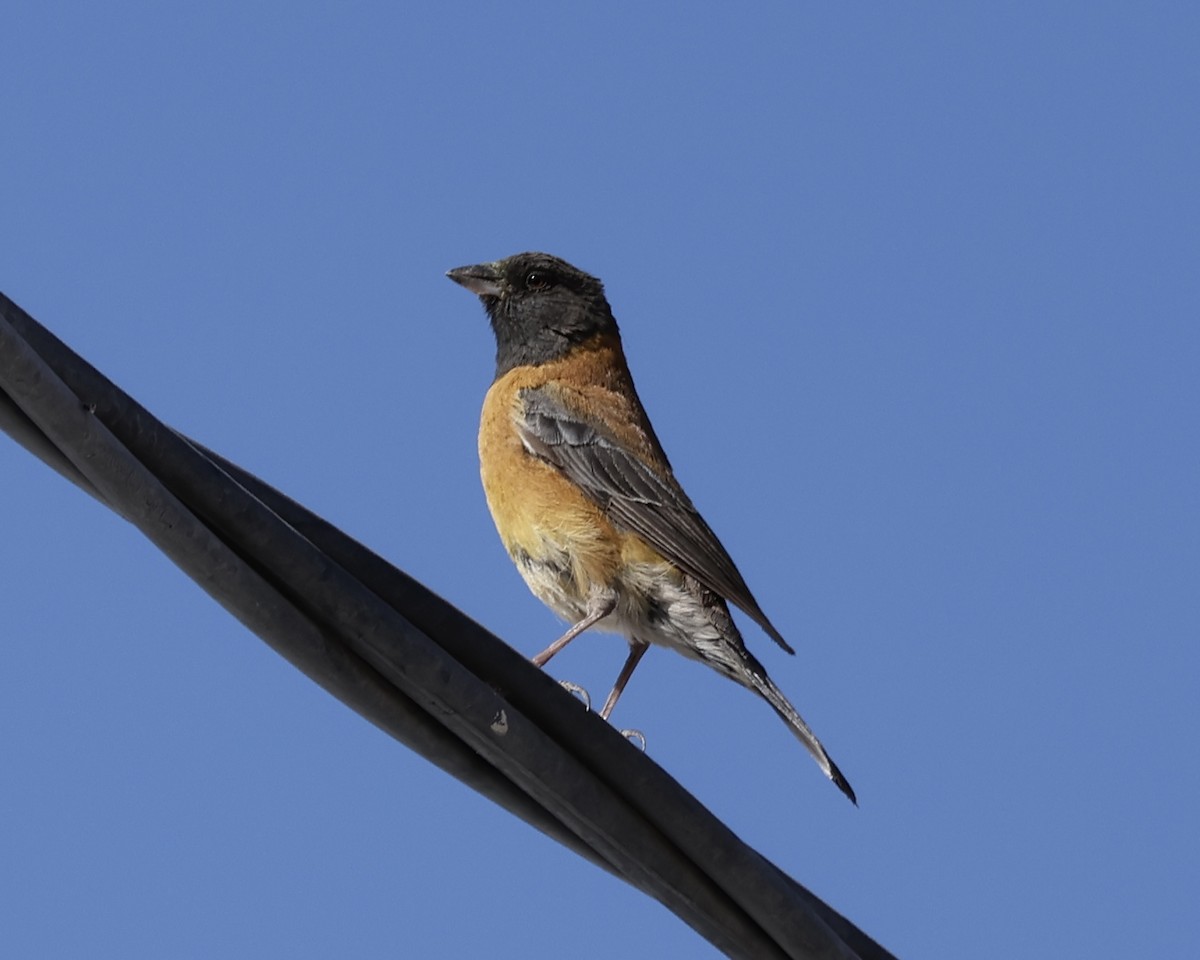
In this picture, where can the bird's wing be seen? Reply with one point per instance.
(632, 494)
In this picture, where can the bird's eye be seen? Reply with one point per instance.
(535, 280)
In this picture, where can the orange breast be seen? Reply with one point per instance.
(538, 512)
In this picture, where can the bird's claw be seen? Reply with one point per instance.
(635, 737)
(577, 692)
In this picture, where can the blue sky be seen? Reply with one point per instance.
(912, 295)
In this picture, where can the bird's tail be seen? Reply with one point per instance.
(782, 706)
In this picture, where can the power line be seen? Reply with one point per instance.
(406, 660)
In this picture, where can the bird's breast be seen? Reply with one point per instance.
(560, 540)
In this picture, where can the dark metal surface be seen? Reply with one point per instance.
(406, 660)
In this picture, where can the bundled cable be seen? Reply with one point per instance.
(406, 660)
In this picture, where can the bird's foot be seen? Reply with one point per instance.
(577, 692)
(636, 737)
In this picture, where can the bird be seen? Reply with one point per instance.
(584, 497)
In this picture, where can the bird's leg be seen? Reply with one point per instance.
(637, 650)
(599, 606)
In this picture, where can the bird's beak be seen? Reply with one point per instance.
(483, 279)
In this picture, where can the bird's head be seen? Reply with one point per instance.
(539, 306)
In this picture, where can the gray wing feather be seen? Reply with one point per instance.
(634, 497)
